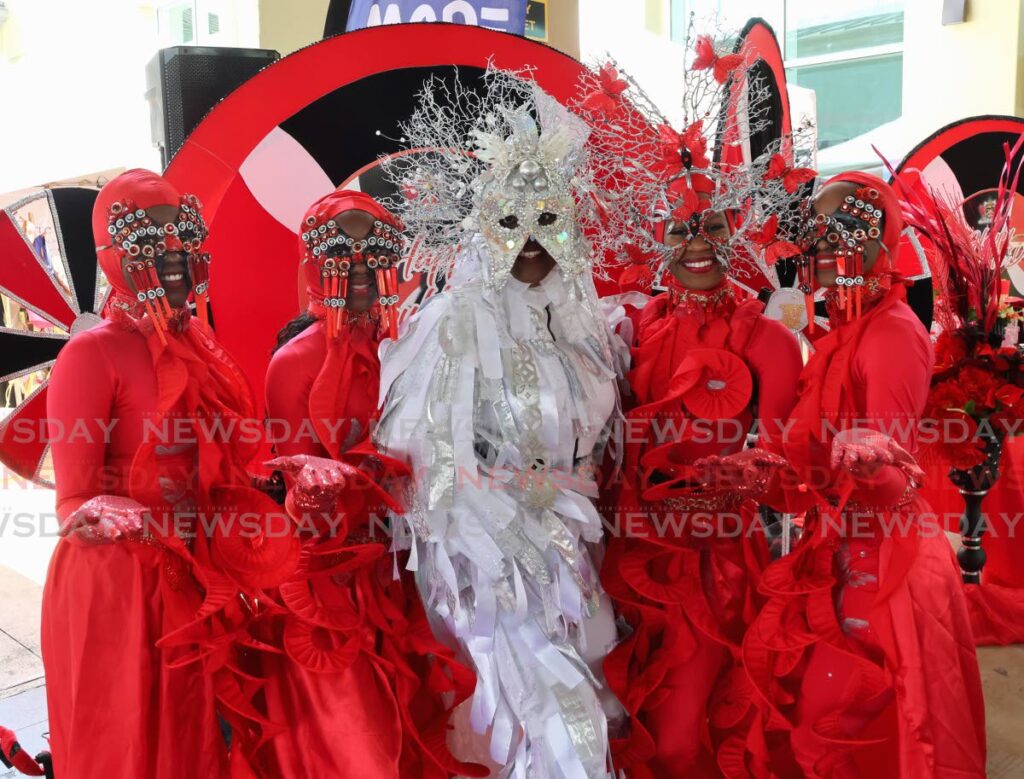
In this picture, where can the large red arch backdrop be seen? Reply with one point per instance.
(301, 127)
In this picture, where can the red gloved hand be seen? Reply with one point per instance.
(105, 519)
(746, 472)
(317, 480)
(863, 453)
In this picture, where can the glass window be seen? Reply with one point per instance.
(176, 22)
(730, 13)
(815, 28)
(853, 96)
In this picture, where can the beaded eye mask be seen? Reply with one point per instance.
(138, 238)
(335, 252)
(847, 232)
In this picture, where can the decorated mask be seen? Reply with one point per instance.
(528, 197)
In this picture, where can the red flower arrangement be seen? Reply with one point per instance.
(979, 385)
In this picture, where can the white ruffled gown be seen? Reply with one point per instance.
(500, 400)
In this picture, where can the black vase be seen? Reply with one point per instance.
(974, 484)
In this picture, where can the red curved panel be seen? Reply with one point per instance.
(968, 154)
(944, 139)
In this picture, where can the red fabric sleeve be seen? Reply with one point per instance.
(773, 355)
(290, 376)
(79, 407)
(892, 369)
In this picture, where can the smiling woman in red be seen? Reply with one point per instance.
(701, 357)
(708, 369)
(361, 681)
(137, 621)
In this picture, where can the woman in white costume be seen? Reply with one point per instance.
(502, 394)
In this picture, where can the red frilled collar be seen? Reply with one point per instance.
(680, 321)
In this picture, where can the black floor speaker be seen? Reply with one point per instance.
(184, 82)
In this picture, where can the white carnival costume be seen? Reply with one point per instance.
(502, 397)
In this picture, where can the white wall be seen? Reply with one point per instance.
(616, 28)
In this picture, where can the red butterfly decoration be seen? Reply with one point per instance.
(781, 250)
(767, 233)
(697, 144)
(774, 249)
(686, 206)
(682, 150)
(606, 99)
(707, 59)
(636, 255)
(792, 178)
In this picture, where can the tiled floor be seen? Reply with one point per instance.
(20, 658)
(25, 714)
(1002, 672)
(22, 695)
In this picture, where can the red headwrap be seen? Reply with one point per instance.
(325, 208)
(320, 213)
(142, 187)
(129, 244)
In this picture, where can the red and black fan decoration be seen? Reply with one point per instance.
(777, 287)
(50, 288)
(769, 73)
(963, 159)
(315, 120)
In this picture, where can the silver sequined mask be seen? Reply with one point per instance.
(531, 201)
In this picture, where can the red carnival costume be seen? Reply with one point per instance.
(361, 680)
(141, 610)
(864, 649)
(684, 567)
(689, 590)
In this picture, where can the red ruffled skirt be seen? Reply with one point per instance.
(863, 654)
(117, 707)
(688, 595)
(362, 686)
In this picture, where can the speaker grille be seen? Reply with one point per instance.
(194, 79)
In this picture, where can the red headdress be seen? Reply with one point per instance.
(328, 252)
(656, 177)
(128, 242)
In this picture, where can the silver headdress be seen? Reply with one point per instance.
(508, 163)
(661, 180)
